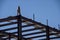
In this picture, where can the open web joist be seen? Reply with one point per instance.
(30, 29)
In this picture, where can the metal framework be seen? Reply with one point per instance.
(22, 28)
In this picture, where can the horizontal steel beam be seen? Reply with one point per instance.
(8, 33)
(22, 31)
(8, 18)
(9, 29)
(55, 37)
(32, 29)
(34, 33)
(16, 27)
(13, 37)
(28, 25)
(44, 35)
(50, 38)
(36, 36)
(11, 23)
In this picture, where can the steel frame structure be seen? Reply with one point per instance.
(24, 25)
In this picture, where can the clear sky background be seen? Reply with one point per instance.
(43, 9)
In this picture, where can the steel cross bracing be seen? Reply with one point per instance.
(30, 29)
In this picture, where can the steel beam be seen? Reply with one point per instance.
(47, 33)
(34, 33)
(31, 29)
(50, 38)
(8, 19)
(44, 36)
(11, 23)
(9, 29)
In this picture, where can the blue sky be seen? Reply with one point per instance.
(43, 9)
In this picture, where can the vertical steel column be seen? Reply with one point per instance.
(19, 24)
(9, 37)
(33, 17)
(47, 32)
